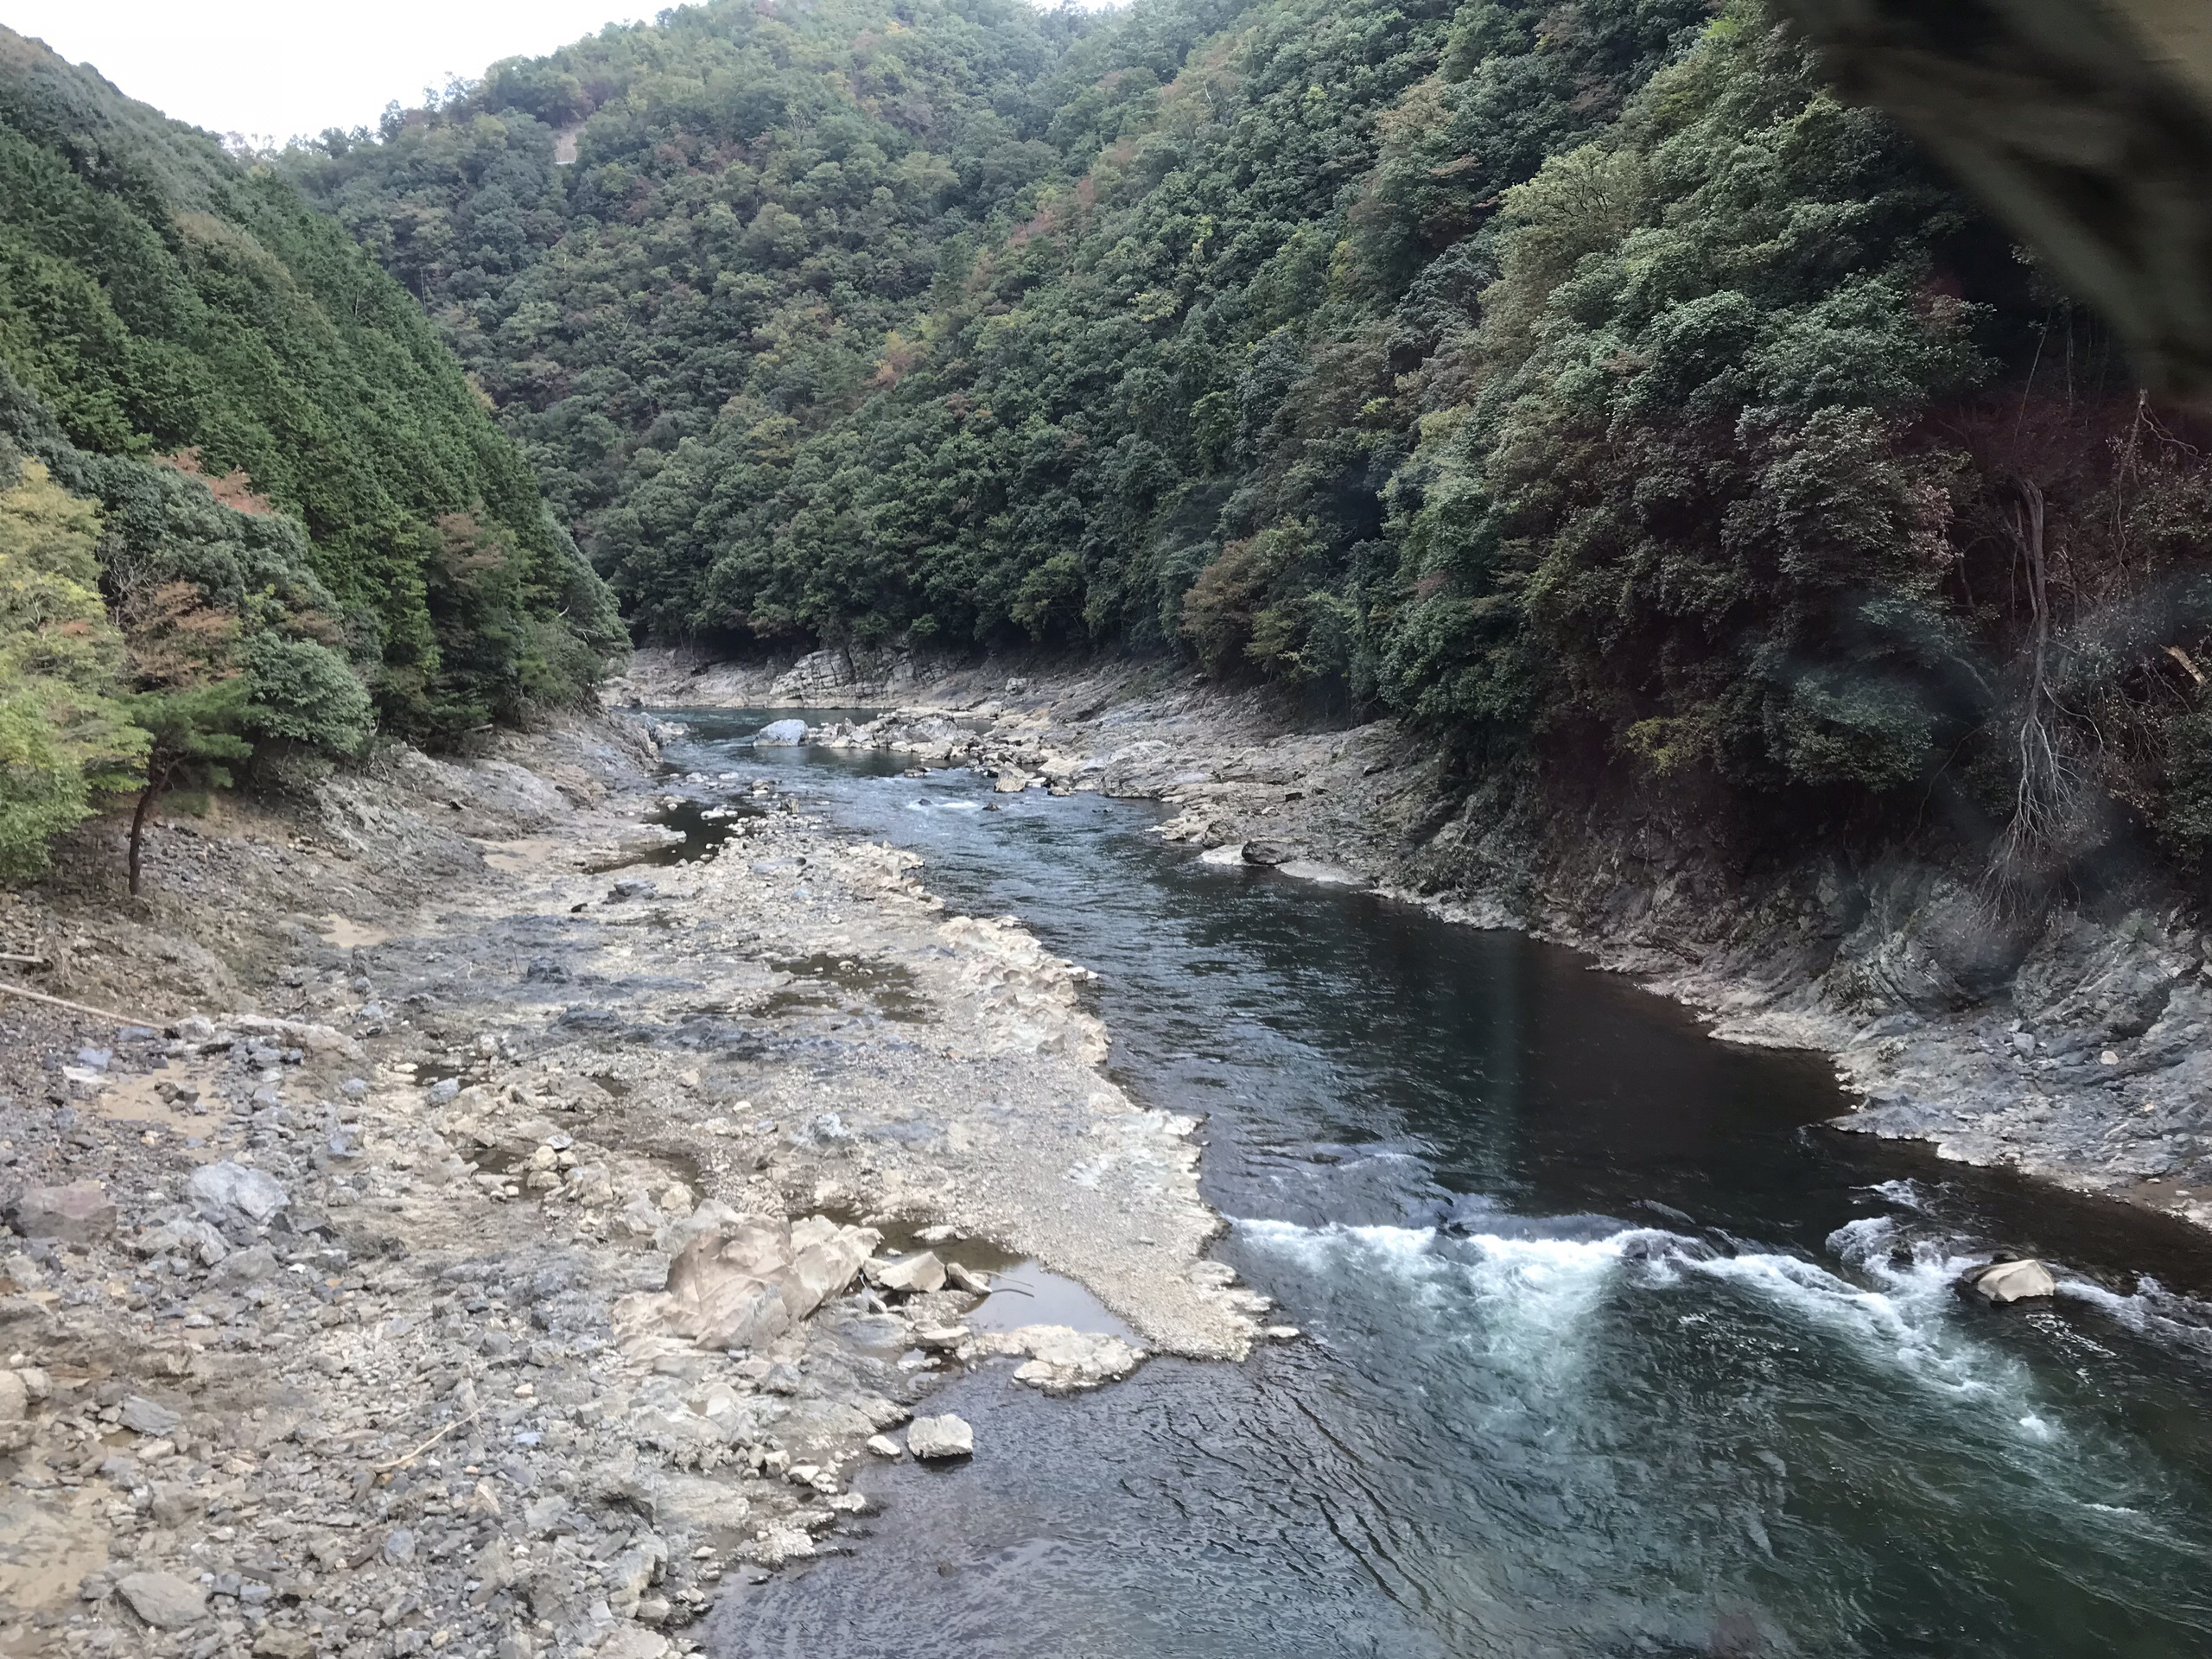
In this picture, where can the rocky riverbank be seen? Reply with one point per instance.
(475, 1234)
(2073, 1049)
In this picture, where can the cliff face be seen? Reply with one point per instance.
(2066, 1041)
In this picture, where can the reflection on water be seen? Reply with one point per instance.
(1611, 1349)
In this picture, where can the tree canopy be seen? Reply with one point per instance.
(160, 301)
(1584, 380)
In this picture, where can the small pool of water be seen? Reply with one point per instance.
(1612, 1348)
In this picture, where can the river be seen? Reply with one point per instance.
(1609, 1347)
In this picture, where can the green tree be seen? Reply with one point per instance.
(197, 735)
(162, 301)
(64, 734)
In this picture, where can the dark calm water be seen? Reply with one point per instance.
(1612, 1350)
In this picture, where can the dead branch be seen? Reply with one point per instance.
(77, 1007)
(401, 1462)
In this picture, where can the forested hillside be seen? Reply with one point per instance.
(1584, 381)
(248, 500)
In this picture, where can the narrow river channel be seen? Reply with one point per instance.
(1611, 1349)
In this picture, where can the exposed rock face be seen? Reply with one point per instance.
(2012, 1281)
(947, 1436)
(78, 1214)
(746, 1288)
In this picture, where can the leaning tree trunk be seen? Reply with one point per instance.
(148, 797)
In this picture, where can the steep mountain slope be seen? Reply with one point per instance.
(1585, 381)
(166, 311)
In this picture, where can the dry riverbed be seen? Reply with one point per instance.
(492, 1238)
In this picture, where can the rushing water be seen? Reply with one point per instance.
(1612, 1349)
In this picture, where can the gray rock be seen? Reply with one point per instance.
(780, 734)
(967, 1279)
(1266, 852)
(229, 1188)
(399, 1545)
(1062, 1359)
(940, 1338)
(148, 1417)
(633, 1641)
(910, 1274)
(246, 1268)
(164, 1600)
(940, 1437)
(744, 1287)
(81, 1214)
(2012, 1281)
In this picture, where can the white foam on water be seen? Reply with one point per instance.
(1904, 1191)
(1523, 1304)
(1526, 1286)
(1908, 1318)
(1526, 1301)
(1402, 1252)
(2153, 1312)
(1900, 1325)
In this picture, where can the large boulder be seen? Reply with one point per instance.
(2012, 1281)
(940, 1437)
(225, 1189)
(742, 1286)
(916, 1274)
(780, 734)
(824, 1256)
(80, 1214)
(164, 1600)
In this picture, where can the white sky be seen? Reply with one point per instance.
(272, 68)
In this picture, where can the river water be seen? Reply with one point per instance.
(1611, 1349)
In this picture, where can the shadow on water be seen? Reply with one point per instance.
(1612, 1347)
